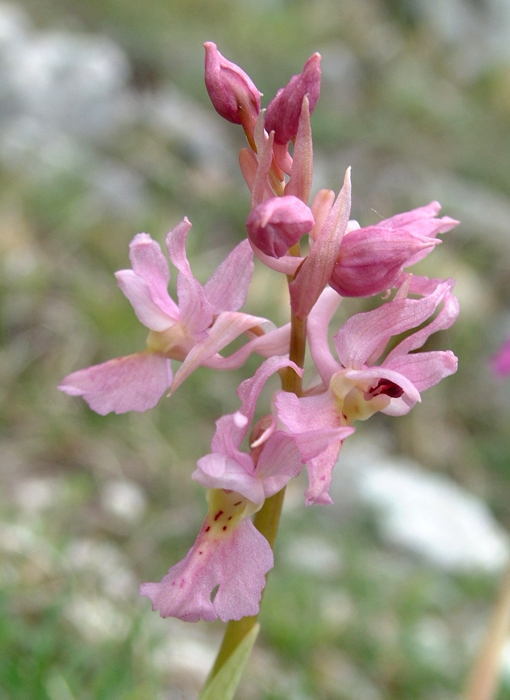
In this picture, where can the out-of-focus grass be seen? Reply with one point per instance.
(92, 506)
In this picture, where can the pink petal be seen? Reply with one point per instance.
(219, 471)
(444, 320)
(275, 342)
(196, 312)
(312, 442)
(149, 263)
(279, 462)
(320, 473)
(288, 264)
(424, 369)
(364, 336)
(317, 332)
(228, 326)
(232, 428)
(139, 294)
(422, 221)
(237, 562)
(132, 383)
(301, 415)
(227, 287)
(249, 390)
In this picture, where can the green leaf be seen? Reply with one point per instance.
(224, 684)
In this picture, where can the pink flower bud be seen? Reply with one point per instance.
(233, 94)
(370, 259)
(278, 223)
(284, 110)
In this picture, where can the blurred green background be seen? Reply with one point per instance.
(105, 131)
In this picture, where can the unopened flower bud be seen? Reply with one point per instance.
(284, 110)
(278, 223)
(233, 94)
(370, 259)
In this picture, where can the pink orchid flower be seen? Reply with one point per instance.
(500, 362)
(229, 552)
(205, 321)
(355, 387)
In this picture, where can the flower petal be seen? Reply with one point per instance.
(138, 292)
(364, 336)
(227, 287)
(196, 312)
(237, 563)
(149, 263)
(279, 462)
(219, 471)
(317, 331)
(228, 326)
(132, 383)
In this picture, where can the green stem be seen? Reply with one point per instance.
(267, 519)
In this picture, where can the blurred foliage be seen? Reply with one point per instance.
(419, 104)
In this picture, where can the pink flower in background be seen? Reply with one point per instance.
(204, 321)
(501, 361)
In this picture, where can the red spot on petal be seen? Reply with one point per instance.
(208, 528)
(238, 503)
(230, 518)
(218, 514)
(224, 527)
(200, 552)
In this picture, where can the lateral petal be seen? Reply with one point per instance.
(132, 383)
